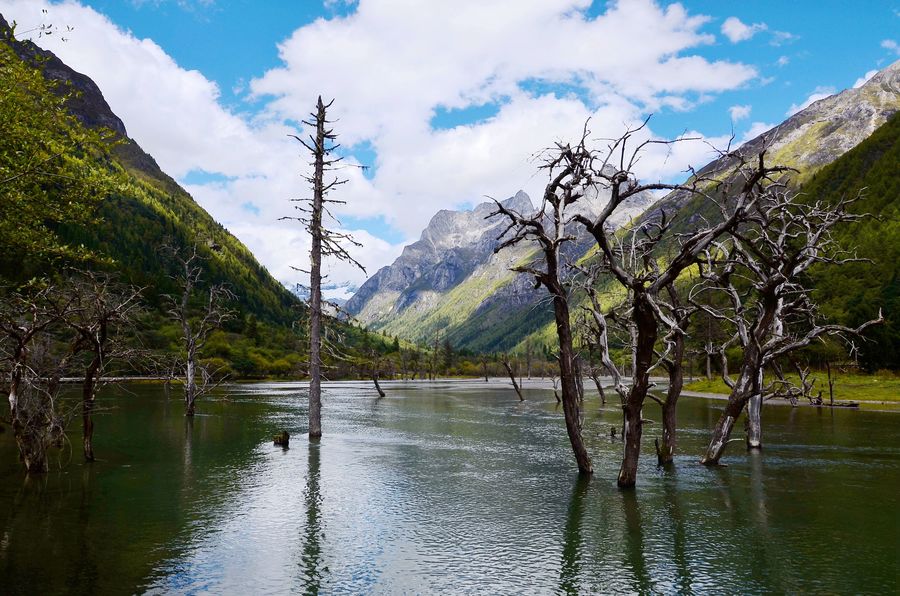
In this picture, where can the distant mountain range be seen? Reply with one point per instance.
(450, 285)
(334, 293)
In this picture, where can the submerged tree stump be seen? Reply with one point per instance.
(282, 439)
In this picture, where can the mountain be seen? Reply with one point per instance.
(815, 136)
(450, 284)
(147, 210)
(853, 293)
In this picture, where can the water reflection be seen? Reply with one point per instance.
(570, 569)
(447, 489)
(675, 513)
(83, 578)
(312, 569)
(634, 542)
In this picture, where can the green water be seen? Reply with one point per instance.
(446, 487)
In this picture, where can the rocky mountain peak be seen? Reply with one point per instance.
(455, 229)
(87, 103)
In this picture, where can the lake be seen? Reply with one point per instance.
(451, 486)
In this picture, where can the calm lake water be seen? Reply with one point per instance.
(446, 487)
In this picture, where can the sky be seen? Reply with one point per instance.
(445, 101)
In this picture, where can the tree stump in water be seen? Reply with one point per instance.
(282, 439)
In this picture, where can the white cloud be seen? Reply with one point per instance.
(890, 44)
(739, 112)
(391, 69)
(862, 80)
(779, 38)
(816, 95)
(736, 31)
(756, 129)
(783, 61)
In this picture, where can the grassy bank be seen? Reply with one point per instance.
(854, 387)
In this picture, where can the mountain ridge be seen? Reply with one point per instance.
(153, 209)
(485, 308)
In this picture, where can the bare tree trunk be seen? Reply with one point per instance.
(665, 449)
(599, 385)
(512, 377)
(190, 383)
(315, 280)
(87, 408)
(579, 379)
(754, 422)
(377, 386)
(830, 382)
(570, 400)
(645, 330)
(738, 398)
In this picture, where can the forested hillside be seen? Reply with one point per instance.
(79, 193)
(853, 293)
(141, 208)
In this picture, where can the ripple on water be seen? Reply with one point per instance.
(456, 487)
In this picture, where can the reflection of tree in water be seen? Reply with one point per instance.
(764, 558)
(84, 576)
(744, 496)
(683, 578)
(187, 455)
(572, 541)
(634, 548)
(311, 557)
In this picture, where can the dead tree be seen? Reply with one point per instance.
(646, 265)
(196, 323)
(375, 370)
(100, 310)
(505, 360)
(679, 317)
(598, 330)
(326, 243)
(484, 367)
(529, 355)
(770, 308)
(588, 340)
(27, 318)
(570, 173)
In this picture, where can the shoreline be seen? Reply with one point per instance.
(525, 383)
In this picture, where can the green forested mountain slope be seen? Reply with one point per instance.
(853, 293)
(138, 210)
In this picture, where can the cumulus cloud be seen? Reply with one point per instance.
(739, 112)
(756, 129)
(392, 69)
(736, 31)
(816, 95)
(863, 79)
(890, 44)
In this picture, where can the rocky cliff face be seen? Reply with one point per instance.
(450, 282)
(818, 134)
(450, 248)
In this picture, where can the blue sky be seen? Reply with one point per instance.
(831, 44)
(444, 100)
